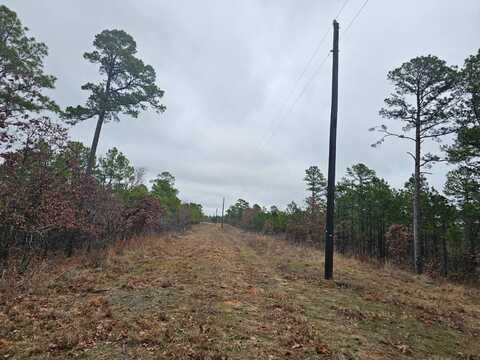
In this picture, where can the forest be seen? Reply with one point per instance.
(56, 194)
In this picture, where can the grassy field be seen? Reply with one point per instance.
(213, 294)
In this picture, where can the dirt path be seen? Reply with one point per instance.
(213, 294)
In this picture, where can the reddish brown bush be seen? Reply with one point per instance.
(398, 242)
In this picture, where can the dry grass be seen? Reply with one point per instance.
(212, 294)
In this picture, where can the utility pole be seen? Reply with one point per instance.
(216, 215)
(330, 228)
(223, 208)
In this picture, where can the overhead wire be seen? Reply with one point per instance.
(299, 96)
(317, 70)
(305, 69)
(355, 17)
(297, 99)
(322, 40)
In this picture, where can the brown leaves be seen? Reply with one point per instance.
(351, 314)
(398, 238)
(48, 203)
(404, 349)
(166, 284)
(169, 298)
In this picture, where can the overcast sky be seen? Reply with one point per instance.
(231, 72)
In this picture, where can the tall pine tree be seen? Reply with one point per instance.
(422, 100)
(128, 85)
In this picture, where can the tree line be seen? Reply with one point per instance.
(415, 226)
(55, 193)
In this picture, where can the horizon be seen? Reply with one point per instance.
(232, 90)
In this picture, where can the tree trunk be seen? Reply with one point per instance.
(417, 241)
(467, 234)
(444, 252)
(469, 241)
(101, 118)
(93, 149)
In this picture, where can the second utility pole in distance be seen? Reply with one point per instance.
(223, 208)
(330, 228)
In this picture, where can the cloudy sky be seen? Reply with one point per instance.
(233, 71)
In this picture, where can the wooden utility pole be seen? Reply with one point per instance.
(223, 209)
(330, 228)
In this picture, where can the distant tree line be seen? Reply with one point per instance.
(415, 226)
(55, 194)
(373, 221)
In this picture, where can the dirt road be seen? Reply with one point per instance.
(213, 294)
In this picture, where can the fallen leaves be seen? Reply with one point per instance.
(210, 295)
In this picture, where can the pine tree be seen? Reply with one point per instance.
(128, 86)
(423, 101)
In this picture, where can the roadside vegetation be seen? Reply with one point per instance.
(56, 196)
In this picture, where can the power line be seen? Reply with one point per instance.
(341, 9)
(322, 40)
(292, 106)
(307, 84)
(355, 17)
(309, 62)
(299, 96)
(312, 77)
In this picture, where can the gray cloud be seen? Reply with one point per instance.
(229, 69)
